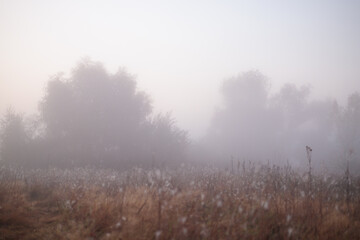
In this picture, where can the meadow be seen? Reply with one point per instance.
(246, 202)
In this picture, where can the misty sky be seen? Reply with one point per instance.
(181, 51)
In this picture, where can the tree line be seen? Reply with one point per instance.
(97, 118)
(92, 118)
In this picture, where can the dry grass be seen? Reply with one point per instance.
(254, 203)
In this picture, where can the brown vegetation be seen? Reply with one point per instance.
(250, 203)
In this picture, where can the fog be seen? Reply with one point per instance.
(123, 83)
(254, 125)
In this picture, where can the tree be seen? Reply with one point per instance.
(255, 126)
(348, 131)
(239, 126)
(94, 117)
(168, 142)
(14, 139)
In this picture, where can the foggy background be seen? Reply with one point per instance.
(181, 48)
(248, 80)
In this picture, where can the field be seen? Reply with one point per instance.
(250, 202)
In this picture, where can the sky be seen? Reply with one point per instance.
(181, 51)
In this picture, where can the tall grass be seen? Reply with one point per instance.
(255, 202)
